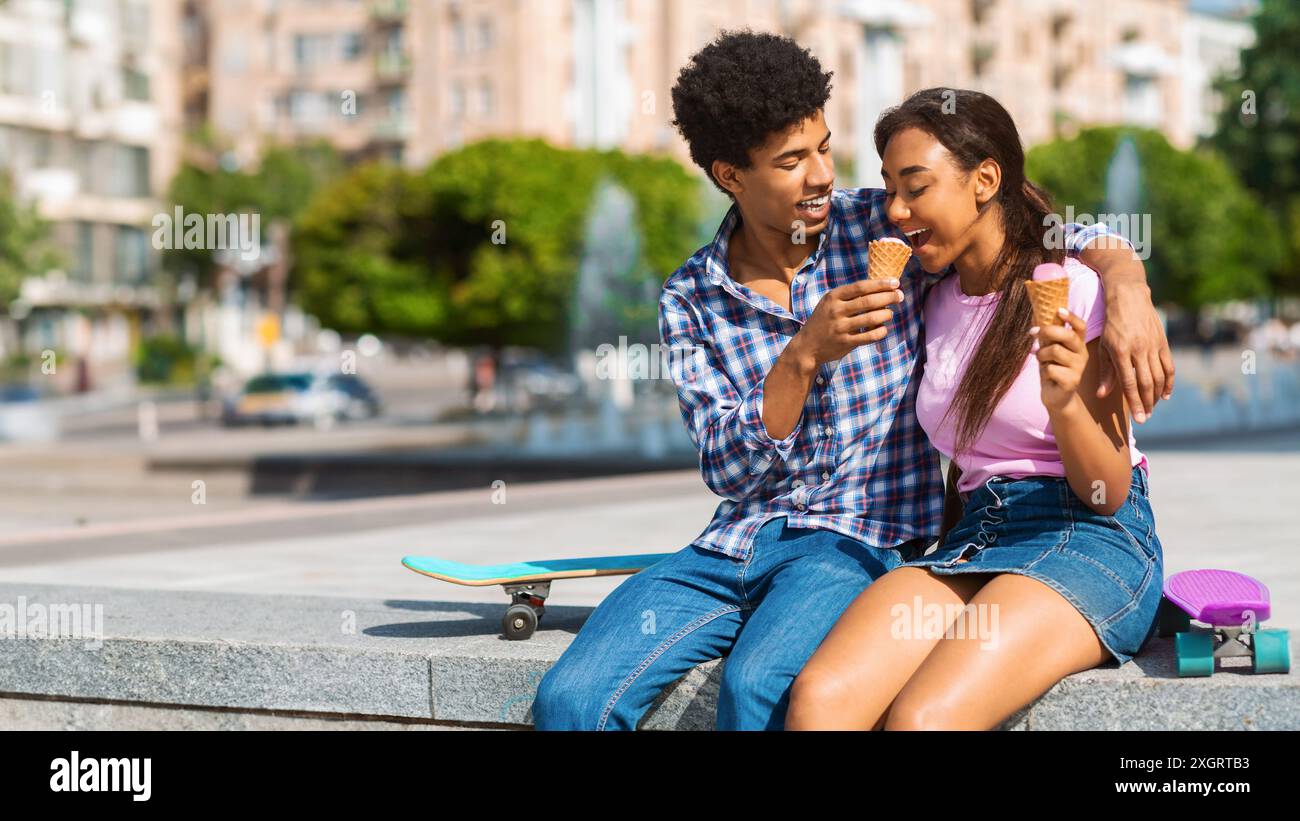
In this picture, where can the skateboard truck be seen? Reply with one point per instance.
(528, 604)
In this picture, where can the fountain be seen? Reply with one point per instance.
(611, 300)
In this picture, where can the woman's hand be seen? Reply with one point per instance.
(1062, 357)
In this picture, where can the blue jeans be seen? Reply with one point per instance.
(766, 615)
(1111, 568)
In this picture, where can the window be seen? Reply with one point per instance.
(135, 166)
(311, 50)
(130, 256)
(458, 36)
(457, 100)
(485, 35)
(351, 45)
(8, 69)
(84, 265)
(135, 84)
(396, 104)
(1142, 102)
(135, 25)
(308, 108)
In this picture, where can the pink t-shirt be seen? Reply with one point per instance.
(1018, 440)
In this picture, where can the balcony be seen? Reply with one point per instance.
(391, 128)
(388, 12)
(392, 67)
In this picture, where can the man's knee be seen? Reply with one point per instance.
(750, 680)
(563, 702)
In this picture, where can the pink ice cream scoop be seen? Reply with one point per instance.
(1049, 271)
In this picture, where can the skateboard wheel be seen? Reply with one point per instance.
(1272, 651)
(1173, 619)
(1195, 651)
(519, 622)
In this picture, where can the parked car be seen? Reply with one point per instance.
(290, 398)
(527, 379)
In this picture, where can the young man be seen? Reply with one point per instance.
(800, 396)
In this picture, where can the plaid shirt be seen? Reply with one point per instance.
(857, 461)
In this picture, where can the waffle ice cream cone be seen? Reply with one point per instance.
(1047, 297)
(887, 258)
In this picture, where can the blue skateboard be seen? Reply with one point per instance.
(528, 583)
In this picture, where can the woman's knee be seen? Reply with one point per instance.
(917, 714)
(814, 691)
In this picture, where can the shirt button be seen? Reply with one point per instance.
(797, 483)
(821, 381)
(715, 279)
(803, 507)
(799, 278)
(826, 477)
(826, 432)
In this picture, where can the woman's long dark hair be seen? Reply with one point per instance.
(975, 127)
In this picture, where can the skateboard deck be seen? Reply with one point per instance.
(481, 575)
(1231, 605)
(1219, 598)
(528, 583)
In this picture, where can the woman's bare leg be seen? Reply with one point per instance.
(971, 683)
(873, 650)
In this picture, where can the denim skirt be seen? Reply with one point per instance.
(1110, 568)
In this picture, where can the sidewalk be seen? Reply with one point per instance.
(287, 661)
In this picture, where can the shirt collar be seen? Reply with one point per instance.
(715, 260)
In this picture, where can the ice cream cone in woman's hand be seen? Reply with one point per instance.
(1049, 291)
(887, 257)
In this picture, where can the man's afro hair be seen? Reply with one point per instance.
(739, 90)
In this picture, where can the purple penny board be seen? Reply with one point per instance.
(1219, 598)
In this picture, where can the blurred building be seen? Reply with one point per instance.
(1216, 33)
(409, 79)
(388, 78)
(90, 130)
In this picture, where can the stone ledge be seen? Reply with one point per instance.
(445, 662)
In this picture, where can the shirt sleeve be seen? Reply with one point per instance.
(1077, 236)
(1087, 299)
(726, 426)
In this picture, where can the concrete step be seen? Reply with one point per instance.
(271, 661)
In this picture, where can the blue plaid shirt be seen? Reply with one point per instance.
(857, 461)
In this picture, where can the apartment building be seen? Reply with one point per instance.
(90, 131)
(409, 79)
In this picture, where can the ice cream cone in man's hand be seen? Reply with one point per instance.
(1049, 291)
(887, 258)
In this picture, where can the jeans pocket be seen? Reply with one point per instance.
(1136, 523)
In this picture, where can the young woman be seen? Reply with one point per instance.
(1053, 566)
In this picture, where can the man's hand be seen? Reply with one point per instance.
(1137, 350)
(849, 316)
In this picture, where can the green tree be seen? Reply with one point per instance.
(482, 247)
(25, 248)
(1259, 124)
(1211, 240)
(283, 183)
